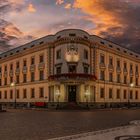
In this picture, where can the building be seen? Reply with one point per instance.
(70, 66)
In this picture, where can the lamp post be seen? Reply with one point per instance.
(13, 84)
(86, 96)
(58, 96)
(131, 85)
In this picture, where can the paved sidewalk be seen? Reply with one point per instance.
(129, 132)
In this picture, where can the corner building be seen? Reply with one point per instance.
(70, 67)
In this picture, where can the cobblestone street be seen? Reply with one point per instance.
(42, 125)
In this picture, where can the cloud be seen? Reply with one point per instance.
(59, 2)
(68, 6)
(11, 36)
(31, 8)
(118, 20)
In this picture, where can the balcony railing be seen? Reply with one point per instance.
(24, 70)
(118, 69)
(17, 70)
(32, 67)
(102, 65)
(110, 67)
(41, 65)
(74, 76)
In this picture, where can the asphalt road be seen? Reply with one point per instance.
(42, 125)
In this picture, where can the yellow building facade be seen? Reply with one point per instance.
(70, 67)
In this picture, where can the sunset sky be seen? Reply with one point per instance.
(24, 20)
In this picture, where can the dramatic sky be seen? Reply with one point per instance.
(24, 20)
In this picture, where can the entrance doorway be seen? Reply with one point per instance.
(72, 93)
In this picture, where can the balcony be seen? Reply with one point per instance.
(72, 76)
(11, 73)
(17, 70)
(5, 73)
(102, 65)
(131, 72)
(118, 69)
(125, 70)
(32, 68)
(24, 69)
(137, 74)
(41, 65)
(110, 67)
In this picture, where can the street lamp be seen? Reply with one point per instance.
(58, 96)
(131, 85)
(13, 84)
(86, 96)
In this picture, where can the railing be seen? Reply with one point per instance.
(75, 76)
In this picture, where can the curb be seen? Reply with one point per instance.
(93, 133)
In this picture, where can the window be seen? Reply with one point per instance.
(24, 78)
(32, 60)
(102, 75)
(110, 93)
(102, 59)
(0, 95)
(5, 68)
(11, 94)
(110, 77)
(17, 79)
(32, 76)
(5, 81)
(11, 66)
(125, 79)
(102, 93)
(118, 93)
(32, 93)
(131, 94)
(131, 67)
(11, 79)
(41, 75)
(72, 68)
(17, 65)
(110, 61)
(58, 54)
(85, 54)
(131, 79)
(118, 78)
(5, 94)
(0, 82)
(124, 94)
(17, 93)
(136, 81)
(137, 69)
(24, 93)
(125, 65)
(58, 70)
(24, 63)
(41, 58)
(41, 92)
(136, 95)
(118, 63)
(86, 69)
